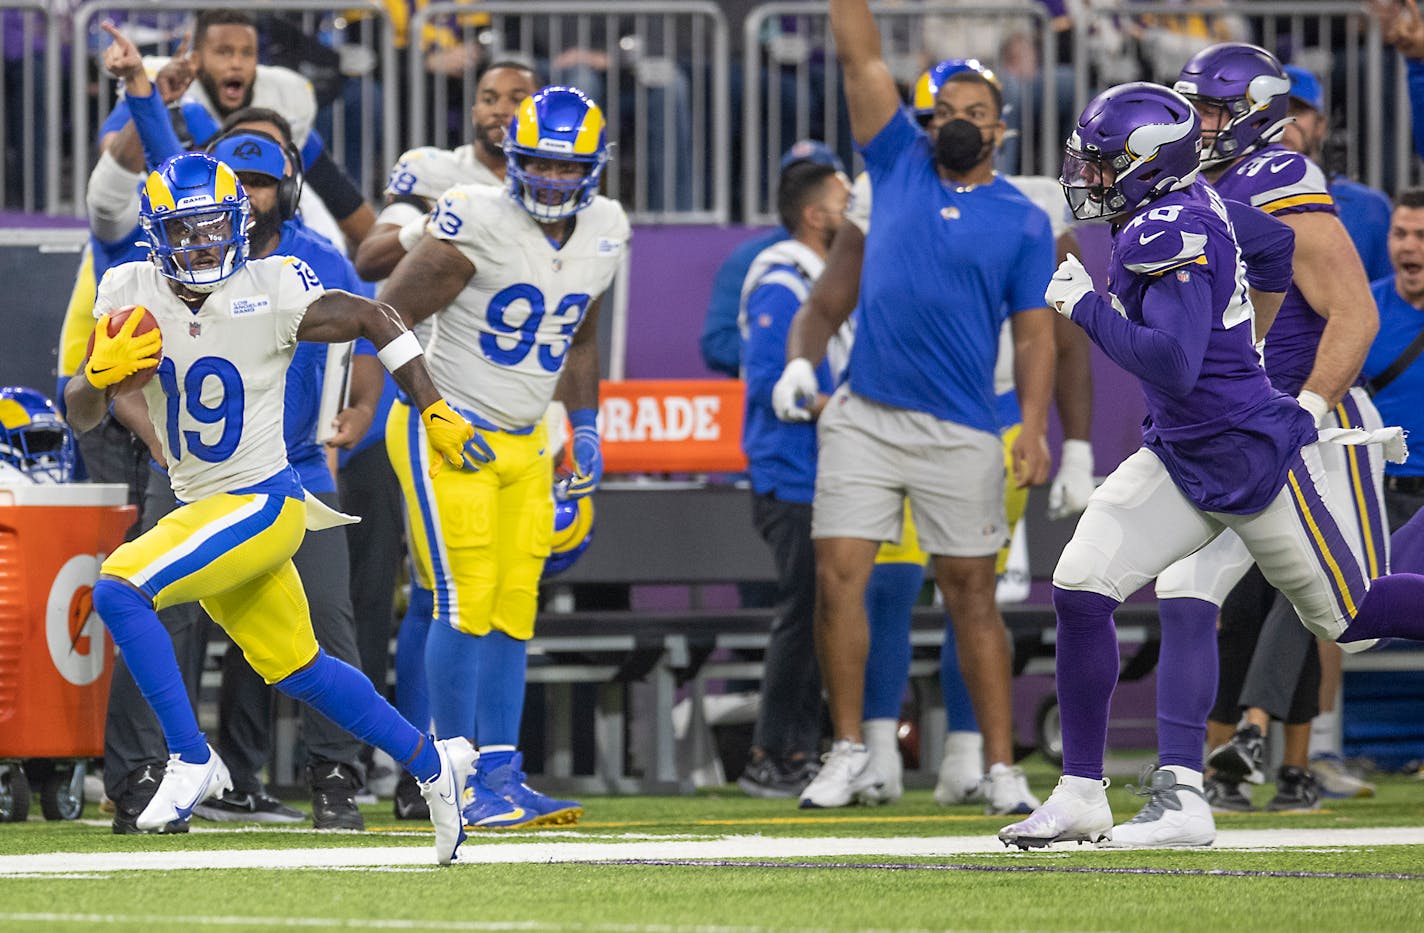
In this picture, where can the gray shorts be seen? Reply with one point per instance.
(873, 457)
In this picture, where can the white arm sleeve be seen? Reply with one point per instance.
(112, 199)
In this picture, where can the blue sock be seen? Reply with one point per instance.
(494, 757)
(452, 674)
(411, 697)
(958, 707)
(889, 597)
(148, 651)
(499, 693)
(343, 694)
(1187, 669)
(1087, 666)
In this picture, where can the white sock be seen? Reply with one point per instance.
(1324, 732)
(882, 736)
(1084, 787)
(1186, 776)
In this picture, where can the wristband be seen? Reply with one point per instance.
(1314, 403)
(400, 351)
(584, 418)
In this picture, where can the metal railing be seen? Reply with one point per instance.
(353, 23)
(659, 70)
(29, 105)
(792, 85)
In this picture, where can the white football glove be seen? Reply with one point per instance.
(1317, 406)
(1068, 286)
(795, 391)
(1074, 483)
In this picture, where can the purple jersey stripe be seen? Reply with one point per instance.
(1341, 568)
(1362, 492)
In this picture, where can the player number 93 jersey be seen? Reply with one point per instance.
(216, 401)
(499, 347)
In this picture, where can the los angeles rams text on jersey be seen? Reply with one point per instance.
(217, 400)
(498, 348)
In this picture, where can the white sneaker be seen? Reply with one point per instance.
(1335, 779)
(961, 770)
(1175, 815)
(1066, 816)
(183, 787)
(1006, 791)
(847, 774)
(442, 795)
(882, 738)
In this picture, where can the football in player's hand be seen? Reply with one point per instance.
(146, 323)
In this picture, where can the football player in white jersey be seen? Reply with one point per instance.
(423, 174)
(226, 331)
(512, 280)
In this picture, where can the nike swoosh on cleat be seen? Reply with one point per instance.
(515, 814)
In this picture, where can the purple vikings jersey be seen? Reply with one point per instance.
(1280, 181)
(1224, 434)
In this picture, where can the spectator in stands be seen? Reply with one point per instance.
(1364, 211)
(721, 341)
(781, 458)
(259, 147)
(929, 262)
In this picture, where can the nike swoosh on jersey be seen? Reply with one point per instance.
(1148, 238)
(1277, 167)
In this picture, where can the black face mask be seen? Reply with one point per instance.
(959, 145)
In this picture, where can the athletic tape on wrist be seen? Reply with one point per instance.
(400, 351)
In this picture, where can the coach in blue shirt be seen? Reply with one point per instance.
(952, 248)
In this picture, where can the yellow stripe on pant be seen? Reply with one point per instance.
(233, 555)
(479, 537)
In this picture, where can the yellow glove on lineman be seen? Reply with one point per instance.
(447, 433)
(116, 358)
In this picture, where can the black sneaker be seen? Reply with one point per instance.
(764, 777)
(1240, 759)
(137, 790)
(1296, 789)
(334, 785)
(409, 804)
(1226, 796)
(240, 807)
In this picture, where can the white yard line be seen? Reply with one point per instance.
(730, 847)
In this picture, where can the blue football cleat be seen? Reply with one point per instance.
(507, 782)
(482, 808)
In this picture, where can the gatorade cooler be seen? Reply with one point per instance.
(56, 658)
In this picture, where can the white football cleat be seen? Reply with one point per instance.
(1176, 814)
(882, 738)
(961, 770)
(442, 795)
(847, 775)
(183, 787)
(1068, 815)
(1006, 791)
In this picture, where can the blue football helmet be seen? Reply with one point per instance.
(928, 85)
(34, 438)
(1142, 136)
(562, 124)
(573, 531)
(190, 207)
(1250, 85)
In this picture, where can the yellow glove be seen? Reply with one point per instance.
(116, 358)
(447, 433)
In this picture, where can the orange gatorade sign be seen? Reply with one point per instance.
(672, 425)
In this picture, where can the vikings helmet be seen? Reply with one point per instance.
(573, 530)
(1250, 85)
(563, 124)
(34, 439)
(1148, 135)
(928, 85)
(194, 203)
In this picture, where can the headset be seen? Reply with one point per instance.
(289, 187)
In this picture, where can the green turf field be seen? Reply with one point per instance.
(722, 862)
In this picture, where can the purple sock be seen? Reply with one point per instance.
(1087, 667)
(1390, 609)
(1186, 680)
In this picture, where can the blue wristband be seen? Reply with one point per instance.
(584, 418)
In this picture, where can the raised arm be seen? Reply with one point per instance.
(871, 95)
(832, 298)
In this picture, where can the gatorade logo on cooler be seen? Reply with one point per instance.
(75, 633)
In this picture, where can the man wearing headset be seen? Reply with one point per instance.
(257, 144)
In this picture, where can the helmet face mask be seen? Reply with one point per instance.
(1133, 144)
(555, 153)
(34, 439)
(195, 216)
(1249, 89)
